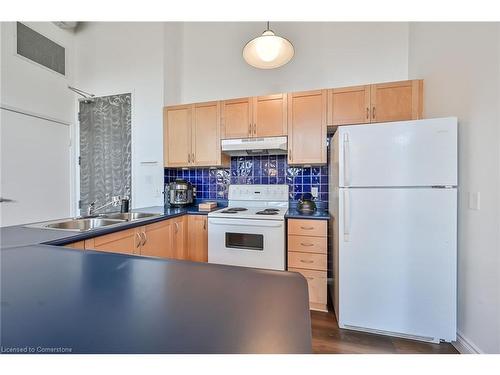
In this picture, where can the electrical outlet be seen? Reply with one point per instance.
(474, 200)
(314, 191)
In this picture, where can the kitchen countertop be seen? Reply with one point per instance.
(319, 214)
(56, 299)
(19, 235)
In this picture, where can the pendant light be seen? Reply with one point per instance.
(268, 51)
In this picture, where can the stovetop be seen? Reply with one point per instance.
(262, 212)
(265, 202)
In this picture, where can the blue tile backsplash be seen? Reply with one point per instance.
(273, 169)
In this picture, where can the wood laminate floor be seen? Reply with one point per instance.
(328, 338)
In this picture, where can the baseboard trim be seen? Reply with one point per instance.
(465, 346)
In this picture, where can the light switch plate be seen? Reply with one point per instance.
(314, 191)
(474, 200)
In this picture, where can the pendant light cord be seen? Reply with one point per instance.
(267, 26)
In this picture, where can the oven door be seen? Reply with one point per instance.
(246, 242)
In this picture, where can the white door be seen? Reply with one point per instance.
(397, 260)
(34, 169)
(407, 153)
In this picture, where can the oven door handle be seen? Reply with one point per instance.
(246, 224)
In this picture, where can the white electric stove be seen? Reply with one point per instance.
(250, 232)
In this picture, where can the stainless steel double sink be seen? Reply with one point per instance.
(82, 224)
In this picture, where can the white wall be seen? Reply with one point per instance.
(326, 55)
(460, 64)
(35, 155)
(121, 57)
(29, 86)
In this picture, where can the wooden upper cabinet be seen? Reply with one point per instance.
(349, 105)
(384, 102)
(157, 240)
(177, 135)
(307, 112)
(397, 101)
(198, 238)
(191, 136)
(124, 242)
(269, 115)
(206, 134)
(237, 118)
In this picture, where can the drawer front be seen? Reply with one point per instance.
(317, 284)
(307, 261)
(307, 244)
(306, 227)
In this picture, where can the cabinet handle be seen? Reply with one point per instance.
(373, 113)
(189, 158)
(306, 244)
(204, 225)
(367, 113)
(254, 129)
(192, 157)
(290, 154)
(138, 235)
(145, 239)
(307, 261)
(176, 227)
(249, 129)
(307, 228)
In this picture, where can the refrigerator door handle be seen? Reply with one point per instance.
(347, 215)
(346, 159)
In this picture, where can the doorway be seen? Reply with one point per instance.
(105, 149)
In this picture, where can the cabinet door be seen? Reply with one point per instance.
(157, 240)
(177, 136)
(307, 127)
(206, 149)
(80, 245)
(349, 105)
(396, 101)
(269, 115)
(180, 237)
(237, 118)
(198, 238)
(124, 242)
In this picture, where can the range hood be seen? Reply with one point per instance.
(255, 146)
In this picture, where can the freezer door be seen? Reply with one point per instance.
(397, 261)
(407, 153)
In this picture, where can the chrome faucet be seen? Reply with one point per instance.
(91, 209)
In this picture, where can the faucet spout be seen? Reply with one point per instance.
(92, 208)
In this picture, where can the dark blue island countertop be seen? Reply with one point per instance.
(60, 300)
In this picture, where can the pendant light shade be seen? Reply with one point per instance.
(268, 51)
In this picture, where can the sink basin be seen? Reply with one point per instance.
(130, 216)
(78, 224)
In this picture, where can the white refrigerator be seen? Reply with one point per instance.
(393, 203)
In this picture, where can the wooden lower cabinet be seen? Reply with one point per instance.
(157, 240)
(317, 285)
(80, 245)
(198, 238)
(125, 242)
(307, 254)
(179, 240)
(184, 237)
